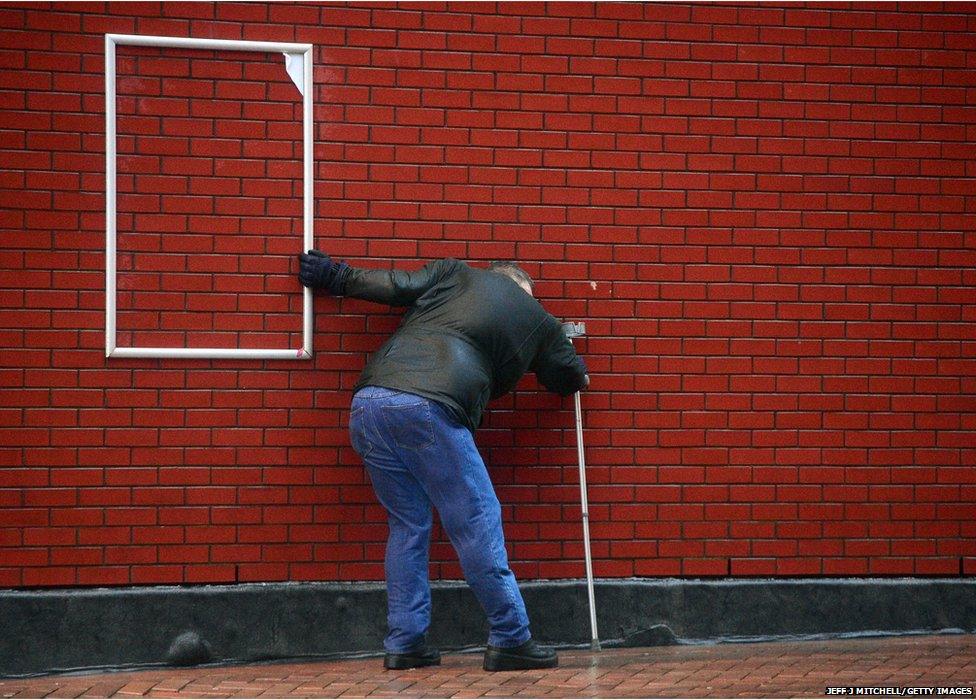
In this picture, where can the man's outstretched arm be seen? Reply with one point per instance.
(393, 287)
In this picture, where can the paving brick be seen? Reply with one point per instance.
(769, 669)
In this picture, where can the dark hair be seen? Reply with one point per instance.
(512, 270)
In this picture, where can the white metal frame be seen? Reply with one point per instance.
(302, 50)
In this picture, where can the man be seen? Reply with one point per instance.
(468, 336)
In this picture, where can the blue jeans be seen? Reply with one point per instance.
(418, 456)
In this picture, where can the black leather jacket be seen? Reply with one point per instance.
(468, 336)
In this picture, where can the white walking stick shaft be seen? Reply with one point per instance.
(595, 639)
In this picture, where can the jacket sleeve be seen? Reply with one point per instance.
(556, 365)
(395, 287)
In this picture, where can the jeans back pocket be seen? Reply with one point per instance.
(409, 425)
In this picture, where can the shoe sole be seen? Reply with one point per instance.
(404, 664)
(503, 662)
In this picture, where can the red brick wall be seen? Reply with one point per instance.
(764, 214)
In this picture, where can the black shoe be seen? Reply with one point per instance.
(424, 656)
(520, 658)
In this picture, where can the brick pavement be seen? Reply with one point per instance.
(777, 669)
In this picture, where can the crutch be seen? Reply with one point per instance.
(576, 330)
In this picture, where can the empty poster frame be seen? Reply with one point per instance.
(303, 50)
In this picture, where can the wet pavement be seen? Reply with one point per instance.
(768, 669)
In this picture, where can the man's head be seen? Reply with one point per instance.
(515, 273)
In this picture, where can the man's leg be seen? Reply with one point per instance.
(454, 477)
(409, 519)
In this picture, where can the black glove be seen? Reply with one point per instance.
(318, 271)
(586, 371)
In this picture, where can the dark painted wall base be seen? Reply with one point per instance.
(48, 631)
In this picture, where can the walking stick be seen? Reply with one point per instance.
(576, 330)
